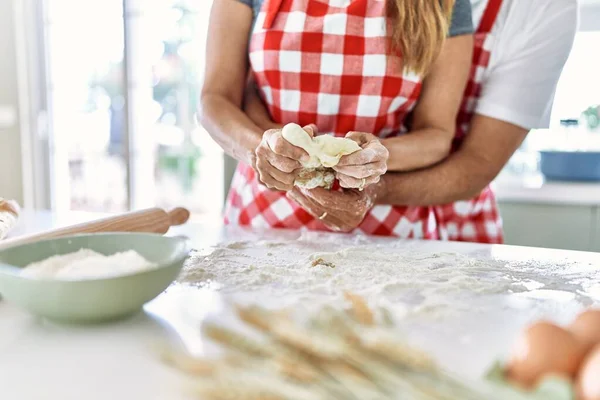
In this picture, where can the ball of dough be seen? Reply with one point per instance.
(325, 151)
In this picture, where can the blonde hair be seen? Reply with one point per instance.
(418, 30)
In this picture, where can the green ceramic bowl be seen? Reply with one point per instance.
(91, 301)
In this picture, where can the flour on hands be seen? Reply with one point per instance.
(362, 168)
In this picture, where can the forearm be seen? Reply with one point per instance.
(459, 177)
(220, 110)
(418, 149)
(434, 116)
(256, 109)
(230, 127)
(486, 149)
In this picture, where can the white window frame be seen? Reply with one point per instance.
(35, 136)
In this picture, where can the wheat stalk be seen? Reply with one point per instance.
(335, 354)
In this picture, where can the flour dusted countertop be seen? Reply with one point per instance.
(463, 303)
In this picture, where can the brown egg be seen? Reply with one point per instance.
(588, 381)
(586, 328)
(544, 349)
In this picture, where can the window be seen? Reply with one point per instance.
(123, 79)
(577, 90)
(579, 85)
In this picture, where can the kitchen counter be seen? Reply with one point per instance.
(541, 213)
(495, 291)
(536, 190)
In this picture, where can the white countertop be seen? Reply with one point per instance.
(42, 360)
(536, 190)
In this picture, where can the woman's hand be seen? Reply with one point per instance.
(365, 167)
(278, 161)
(340, 211)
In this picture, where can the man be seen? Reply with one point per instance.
(520, 50)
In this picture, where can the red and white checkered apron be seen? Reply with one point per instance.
(326, 62)
(478, 219)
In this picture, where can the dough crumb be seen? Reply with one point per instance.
(321, 262)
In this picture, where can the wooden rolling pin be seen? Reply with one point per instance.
(9, 214)
(152, 220)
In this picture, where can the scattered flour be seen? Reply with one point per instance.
(87, 264)
(423, 282)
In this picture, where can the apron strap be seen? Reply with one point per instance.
(485, 26)
(489, 16)
(273, 7)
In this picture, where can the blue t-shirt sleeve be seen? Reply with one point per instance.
(462, 19)
(255, 5)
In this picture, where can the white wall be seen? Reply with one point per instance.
(11, 178)
(590, 15)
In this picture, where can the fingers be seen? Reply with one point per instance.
(275, 172)
(282, 163)
(314, 208)
(335, 219)
(348, 182)
(272, 178)
(371, 154)
(273, 184)
(360, 176)
(278, 152)
(311, 129)
(362, 171)
(373, 151)
(278, 145)
(339, 211)
(360, 137)
(278, 161)
(336, 224)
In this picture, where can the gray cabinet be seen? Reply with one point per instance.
(551, 226)
(596, 236)
(229, 166)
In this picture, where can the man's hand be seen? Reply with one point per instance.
(278, 161)
(339, 211)
(365, 167)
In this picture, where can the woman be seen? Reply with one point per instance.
(353, 68)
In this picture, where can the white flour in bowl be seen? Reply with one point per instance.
(88, 264)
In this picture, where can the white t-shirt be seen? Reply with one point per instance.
(533, 39)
